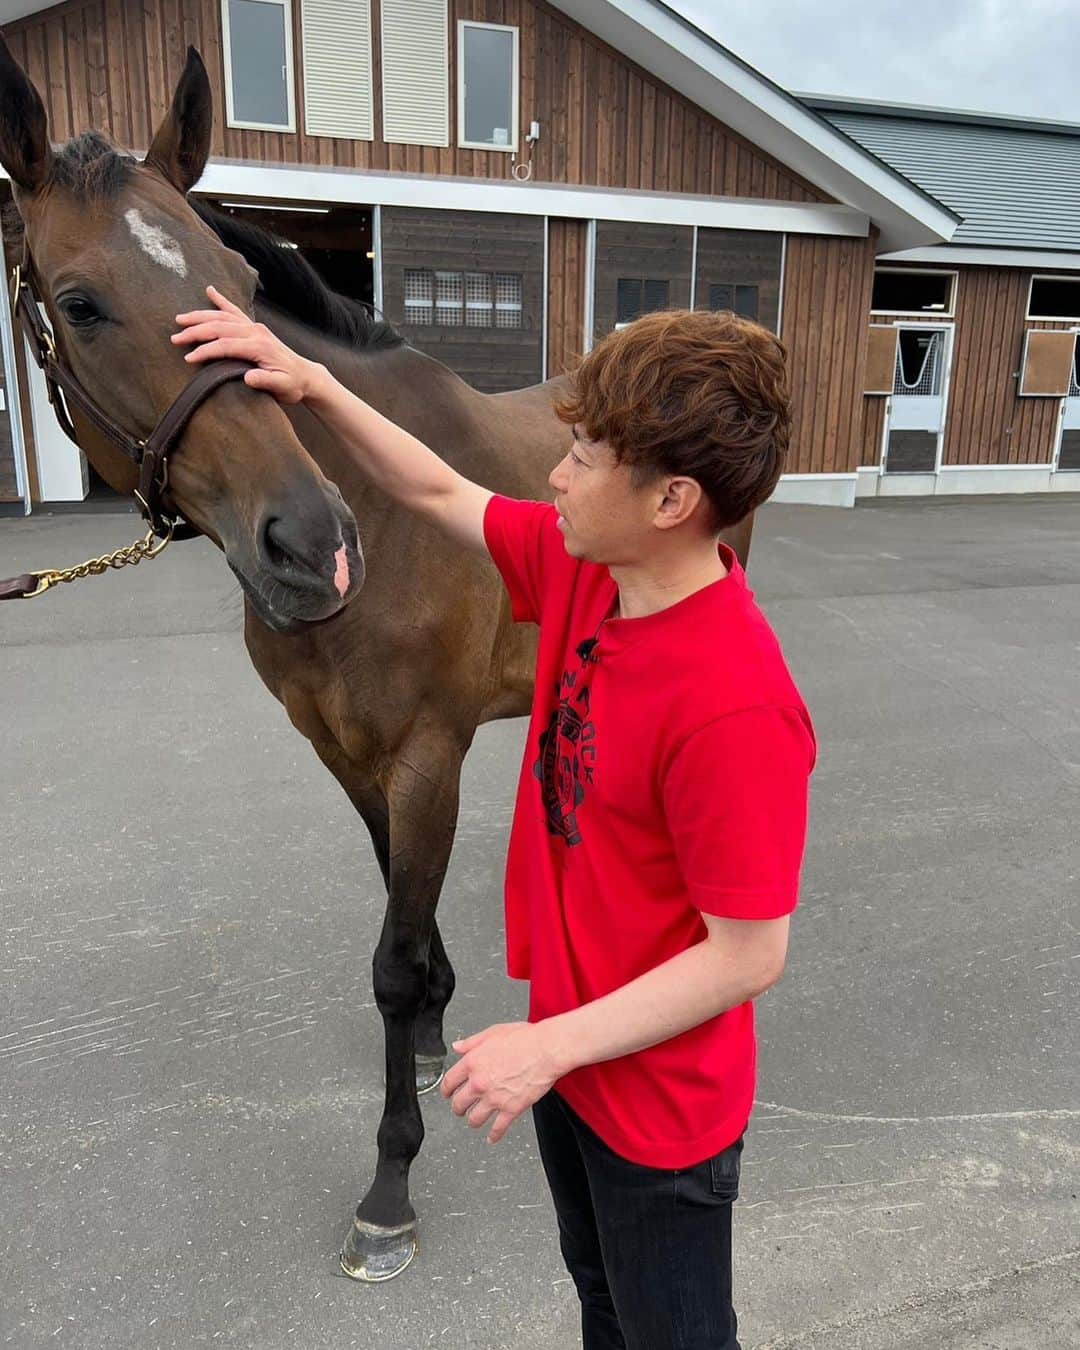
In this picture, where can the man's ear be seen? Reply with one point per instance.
(681, 498)
(25, 151)
(181, 145)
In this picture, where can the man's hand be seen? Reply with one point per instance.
(501, 1073)
(226, 331)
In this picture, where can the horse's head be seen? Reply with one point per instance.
(118, 253)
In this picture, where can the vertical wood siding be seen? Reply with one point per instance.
(566, 294)
(986, 422)
(873, 430)
(604, 120)
(827, 285)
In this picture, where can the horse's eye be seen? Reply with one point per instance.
(79, 311)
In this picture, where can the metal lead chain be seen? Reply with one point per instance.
(129, 556)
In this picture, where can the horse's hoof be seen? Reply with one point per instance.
(429, 1073)
(373, 1254)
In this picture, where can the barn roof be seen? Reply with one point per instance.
(1014, 182)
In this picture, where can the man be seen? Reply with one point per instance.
(661, 811)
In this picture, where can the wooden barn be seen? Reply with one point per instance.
(972, 368)
(508, 180)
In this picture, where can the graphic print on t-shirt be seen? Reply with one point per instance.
(567, 751)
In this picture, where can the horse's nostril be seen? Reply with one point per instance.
(311, 552)
(277, 548)
(288, 550)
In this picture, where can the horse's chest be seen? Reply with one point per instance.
(331, 708)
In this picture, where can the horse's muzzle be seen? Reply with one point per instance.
(307, 564)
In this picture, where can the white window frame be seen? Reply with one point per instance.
(515, 88)
(925, 272)
(290, 76)
(1049, 318)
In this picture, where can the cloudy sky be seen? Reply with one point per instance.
(1014, 56)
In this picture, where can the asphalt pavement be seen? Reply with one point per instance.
(190, 1056)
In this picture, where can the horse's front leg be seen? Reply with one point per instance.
(430, 1046)
(422, 800)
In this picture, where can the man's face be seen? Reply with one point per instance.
(603, 516)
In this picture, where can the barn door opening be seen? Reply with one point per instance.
(1068, 458)
(916, 407)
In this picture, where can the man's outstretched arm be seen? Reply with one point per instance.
(392, 459)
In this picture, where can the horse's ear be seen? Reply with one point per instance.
(25, 151)
(181, 145)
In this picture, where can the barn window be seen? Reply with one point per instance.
(635, 296)
(507, 300)
(487, 86)
(478, 299)
(741, 300)
(906, 291)
(918, 366)
(259, 64)
(419, 295)
(463, 299)
(1054, 298)
(449, 299)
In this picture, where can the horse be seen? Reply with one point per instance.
(388, 673)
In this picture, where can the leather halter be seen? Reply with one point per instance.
(150, 456)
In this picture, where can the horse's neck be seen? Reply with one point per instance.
(401, 383)
(509, 442)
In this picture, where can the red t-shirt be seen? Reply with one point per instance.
(665, 775)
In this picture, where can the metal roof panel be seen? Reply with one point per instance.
(1013, 185)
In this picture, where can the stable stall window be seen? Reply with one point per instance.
(487, 86)
(635, 296)
(463, 299)
(906, 291)
(741, 300)
(1054, 298)
(258, 64)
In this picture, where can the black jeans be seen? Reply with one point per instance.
(649, 1249)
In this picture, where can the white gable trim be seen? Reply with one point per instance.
(433, 192)
(354, 187)
(1038, 260)
(683, 57)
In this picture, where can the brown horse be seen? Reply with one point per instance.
(390, 687)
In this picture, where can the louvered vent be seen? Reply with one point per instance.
(415, 72)
(337, 68)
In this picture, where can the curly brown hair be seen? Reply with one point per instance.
(690, 392)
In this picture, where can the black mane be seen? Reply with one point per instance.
(291, 284)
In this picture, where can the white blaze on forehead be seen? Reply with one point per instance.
(154, 242)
